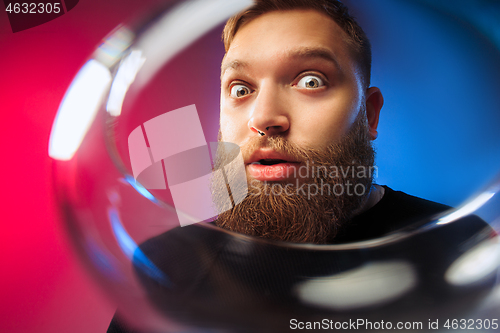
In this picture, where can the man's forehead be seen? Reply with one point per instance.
(291, 35)
(299, 53)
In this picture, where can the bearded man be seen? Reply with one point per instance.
(296, 99)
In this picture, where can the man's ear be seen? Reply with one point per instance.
(374, 102)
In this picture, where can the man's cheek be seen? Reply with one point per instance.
(229, 131)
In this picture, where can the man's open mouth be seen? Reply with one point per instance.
(270, 167)
(269, 162)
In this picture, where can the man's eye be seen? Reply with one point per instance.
(239, 90)
(310, 82)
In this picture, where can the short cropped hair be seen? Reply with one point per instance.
(336, 10)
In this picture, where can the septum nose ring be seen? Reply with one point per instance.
(259, 131)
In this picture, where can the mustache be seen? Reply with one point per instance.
(278, 144)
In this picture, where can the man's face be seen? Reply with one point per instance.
(291, 72)
(291, 75)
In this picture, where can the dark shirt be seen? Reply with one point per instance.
(394, 211)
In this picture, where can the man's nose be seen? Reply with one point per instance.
(270, 114)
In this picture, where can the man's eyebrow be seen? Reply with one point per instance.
(231, 64)
(298, 53)
(313, 52)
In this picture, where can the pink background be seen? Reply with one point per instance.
(43, 287)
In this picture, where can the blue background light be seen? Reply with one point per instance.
(439, 73)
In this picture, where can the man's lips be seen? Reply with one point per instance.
(269, 157)
(269, 165)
